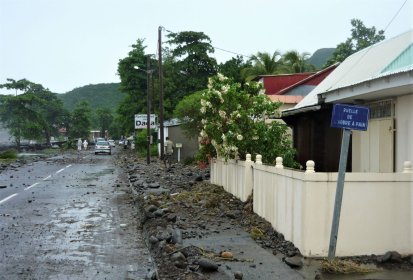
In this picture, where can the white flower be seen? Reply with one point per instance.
(234, 148)
(203, 110)
(221, 77)
(225, 88)
(203, 121)
(255, 137)
(209, 83)
(239, 137)
(222, 114)
(203, 102)
(208, 104)
(224, 138)
(262, 91)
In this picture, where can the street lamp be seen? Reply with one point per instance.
(149, 73)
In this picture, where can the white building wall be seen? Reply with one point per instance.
(404, 130)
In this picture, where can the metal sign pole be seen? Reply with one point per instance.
(339, 192)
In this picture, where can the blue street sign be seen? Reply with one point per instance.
(350, 117)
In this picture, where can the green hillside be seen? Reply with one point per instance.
(320, 57)
(98, 96)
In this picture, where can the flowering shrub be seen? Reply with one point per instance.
(236, 121)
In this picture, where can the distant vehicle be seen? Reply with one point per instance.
(112, 143)
(99, 139)
(103, 147)
(120, 142)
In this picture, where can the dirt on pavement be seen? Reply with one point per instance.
(184, 217)
(196, 230)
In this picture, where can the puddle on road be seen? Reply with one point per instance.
(30, 155)
(96, 175)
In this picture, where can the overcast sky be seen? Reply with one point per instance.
(64, 44)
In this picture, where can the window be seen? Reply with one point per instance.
(381, 109)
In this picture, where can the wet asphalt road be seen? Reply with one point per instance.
(69, 217)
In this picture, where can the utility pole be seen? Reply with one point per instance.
(160, 90)
(148, 114)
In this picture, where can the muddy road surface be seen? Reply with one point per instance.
(84, 216)
(70, 217)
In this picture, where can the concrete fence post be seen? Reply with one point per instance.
(279, 163)
(407, 167)
(248, 187)
(310, 166)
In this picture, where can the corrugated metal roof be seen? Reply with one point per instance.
(273, 84)
(363, 65)
(405, 59)
(314, 79)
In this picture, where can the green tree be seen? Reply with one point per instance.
(126, 113)
(263, 63)
(361, 37)
(37, 113)
(133, 83)
(187, 111)
(187, 65)
(115, 128)
(296, 62)
(104, 119)
(52, 112)
(233, 68)
(20, 118)
(21, 85)
(236, 122)
(80, 121)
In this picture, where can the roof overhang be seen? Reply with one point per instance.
(385, 86)
(292, 111)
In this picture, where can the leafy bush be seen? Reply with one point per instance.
(141, 144)
(70, 144)
(236, 121)
(188, 161)
(8, 154)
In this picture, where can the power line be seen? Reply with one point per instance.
(221, 49)
(367, 49)
(232, 52)
(395, 15)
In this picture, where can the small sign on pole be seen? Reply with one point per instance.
(141, 120)
(347, 117)
(350, 117)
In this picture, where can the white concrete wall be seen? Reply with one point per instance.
(234, 176)
(404, 130)
(376, 215)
